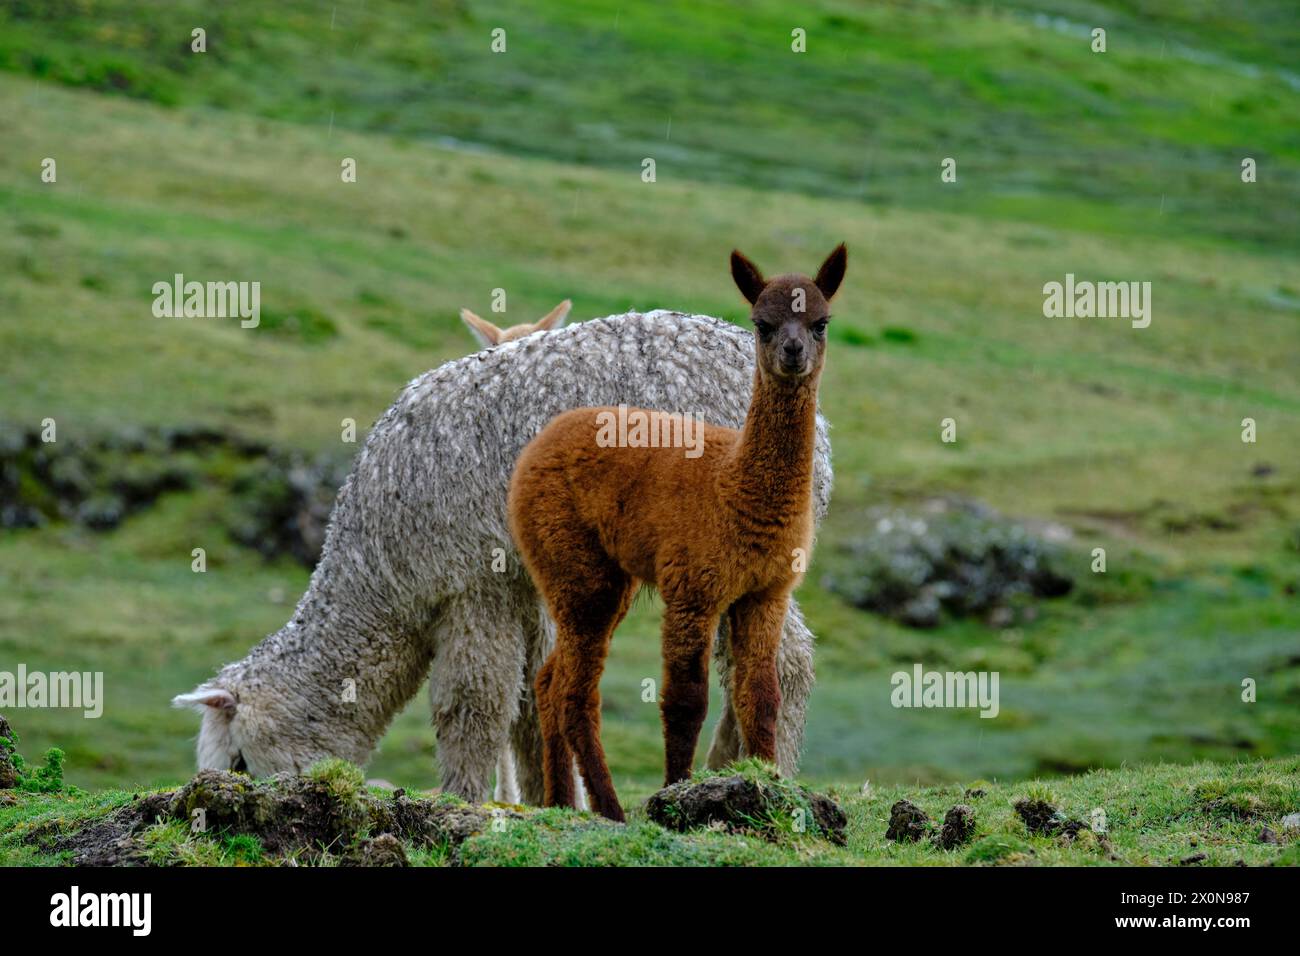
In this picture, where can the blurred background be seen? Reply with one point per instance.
(522, 170)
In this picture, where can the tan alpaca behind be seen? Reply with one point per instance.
(489, 335)
(721, 530)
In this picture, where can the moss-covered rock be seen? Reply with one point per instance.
(8, 771)
(955, 557)
(753, 800)
(325, 812)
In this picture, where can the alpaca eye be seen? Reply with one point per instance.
(819, 328)
(764, 330)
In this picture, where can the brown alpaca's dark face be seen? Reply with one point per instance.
(790, 315)
(790, 319)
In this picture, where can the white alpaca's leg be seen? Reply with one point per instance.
(474, 693)
(794, 666)
(507, 785)
(526, 731)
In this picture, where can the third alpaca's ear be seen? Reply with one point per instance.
(749, 280)
(831, 274)
(555, 318)
(487, 333)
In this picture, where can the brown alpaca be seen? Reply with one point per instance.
(718, 531)
(489, 335)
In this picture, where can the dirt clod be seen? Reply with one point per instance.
(908, 823)
(958, 827)
(1039, 816)
(742, 804)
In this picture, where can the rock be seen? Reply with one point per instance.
(382, 850)
(1291, 821)
(284, 504)
(8, 772)
(743, 804)
(908, 823)
(281, 501)
(958, 827)
(951, 555)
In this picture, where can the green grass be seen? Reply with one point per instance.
(1115, 166)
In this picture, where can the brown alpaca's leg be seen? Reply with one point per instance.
(586, 614)
(687, 640)
(557, 760)
(755, 635)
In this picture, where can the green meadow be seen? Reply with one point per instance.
(522, 170)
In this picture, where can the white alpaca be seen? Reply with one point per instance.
(419, 576)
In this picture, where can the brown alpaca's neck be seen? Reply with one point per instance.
(770, 478)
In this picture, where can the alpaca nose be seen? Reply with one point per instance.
(793, 349)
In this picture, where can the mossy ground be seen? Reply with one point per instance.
(1164, 815)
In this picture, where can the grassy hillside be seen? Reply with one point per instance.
(1145, 138)
(228, 167)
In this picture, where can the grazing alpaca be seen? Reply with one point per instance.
(718, 531)
(420, 580)
(489, 335)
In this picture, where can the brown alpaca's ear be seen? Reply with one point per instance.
(555, 318)
(487, 333)
(831, 274)
(749, 280)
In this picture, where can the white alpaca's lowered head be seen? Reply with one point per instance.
(241, 733)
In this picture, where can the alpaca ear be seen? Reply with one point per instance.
(555, 318)
(831, 274)
(204, 697)
(749, 280)
(487, 333)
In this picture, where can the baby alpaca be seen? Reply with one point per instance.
(489, 335)
(716, 532)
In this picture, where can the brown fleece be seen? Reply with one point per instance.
(720, 533)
